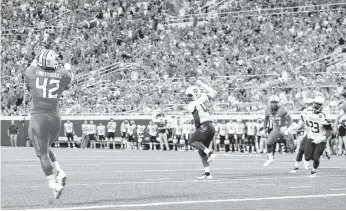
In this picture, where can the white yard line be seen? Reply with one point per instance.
(223, 181)
(155, 204)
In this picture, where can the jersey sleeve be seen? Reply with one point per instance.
(191, 107)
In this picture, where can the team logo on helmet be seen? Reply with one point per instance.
(47, 59)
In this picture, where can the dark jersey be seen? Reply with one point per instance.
(276, 118)
(46, 87)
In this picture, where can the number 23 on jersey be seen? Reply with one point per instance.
(48, 87)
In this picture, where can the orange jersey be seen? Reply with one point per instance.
(46, 87)
(277, 118)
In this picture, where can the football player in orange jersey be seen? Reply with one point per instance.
(276, 117)
(46, 83)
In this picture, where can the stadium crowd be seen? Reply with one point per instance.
(237, 54)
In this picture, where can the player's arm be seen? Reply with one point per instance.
(266, 121)
(211, 92)
(336, 123)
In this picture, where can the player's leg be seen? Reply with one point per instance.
(340, 143)
(205, 132)
(204, 158)
(271, 141)
(12, 140)
(165, 138)
(40, 136)
(319, 148)
(15, 137)
(299, 156)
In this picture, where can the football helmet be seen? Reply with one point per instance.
(47, 59)
(193, 91)
(274, 102)
(317, 104)
(308, 102)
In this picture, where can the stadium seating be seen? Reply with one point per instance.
(141, 62)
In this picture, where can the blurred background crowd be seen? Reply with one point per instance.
(144, 54)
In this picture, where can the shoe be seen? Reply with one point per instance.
(327, 155)
(268, 162)
(61, 177)
(204, 176)
(211, 156)
(57, 189)
(295, 170)
(313, 174)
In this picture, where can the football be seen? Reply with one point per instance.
(90, 23)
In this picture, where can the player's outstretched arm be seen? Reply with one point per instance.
(211, 92)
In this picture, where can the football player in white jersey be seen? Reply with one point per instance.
(240, 137)
(222, 134)
(152, 131)
(111, 126)
(140, 135)
(186, 134)
(231, 134)
(318, 130)
(251, 135)
(69, 131)
(85, 134)
(101, 132)
(178, 133)
(205, 130)
(123, 129)
(92, 132)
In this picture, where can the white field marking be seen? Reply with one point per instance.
(129, 159)
(120, 163)
(338, 189)
(262, 185)
(104, 172)
(299, 187)
(223, 181)
(128, 183)
(155, 204)
(158, 179)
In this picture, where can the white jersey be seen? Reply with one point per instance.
(192, 128)
(130, 129)
(124, 127)
(101, 130)
(239, 128)
(68, 127)
(111, 126)
(223, 130)
(92, 129)
(230, 128)
(251, 128)
(85, 128)
(179, 130)
(140, 129)
(315, 123)
(200, 109)
(217, 127)
(258, 127)
(186, 129)
(152, 130)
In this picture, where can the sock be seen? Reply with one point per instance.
(206, 151)
(56, 166)
(313, 169)
(270, 156)
(51, 180)
(207, 169)
(296, 164)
